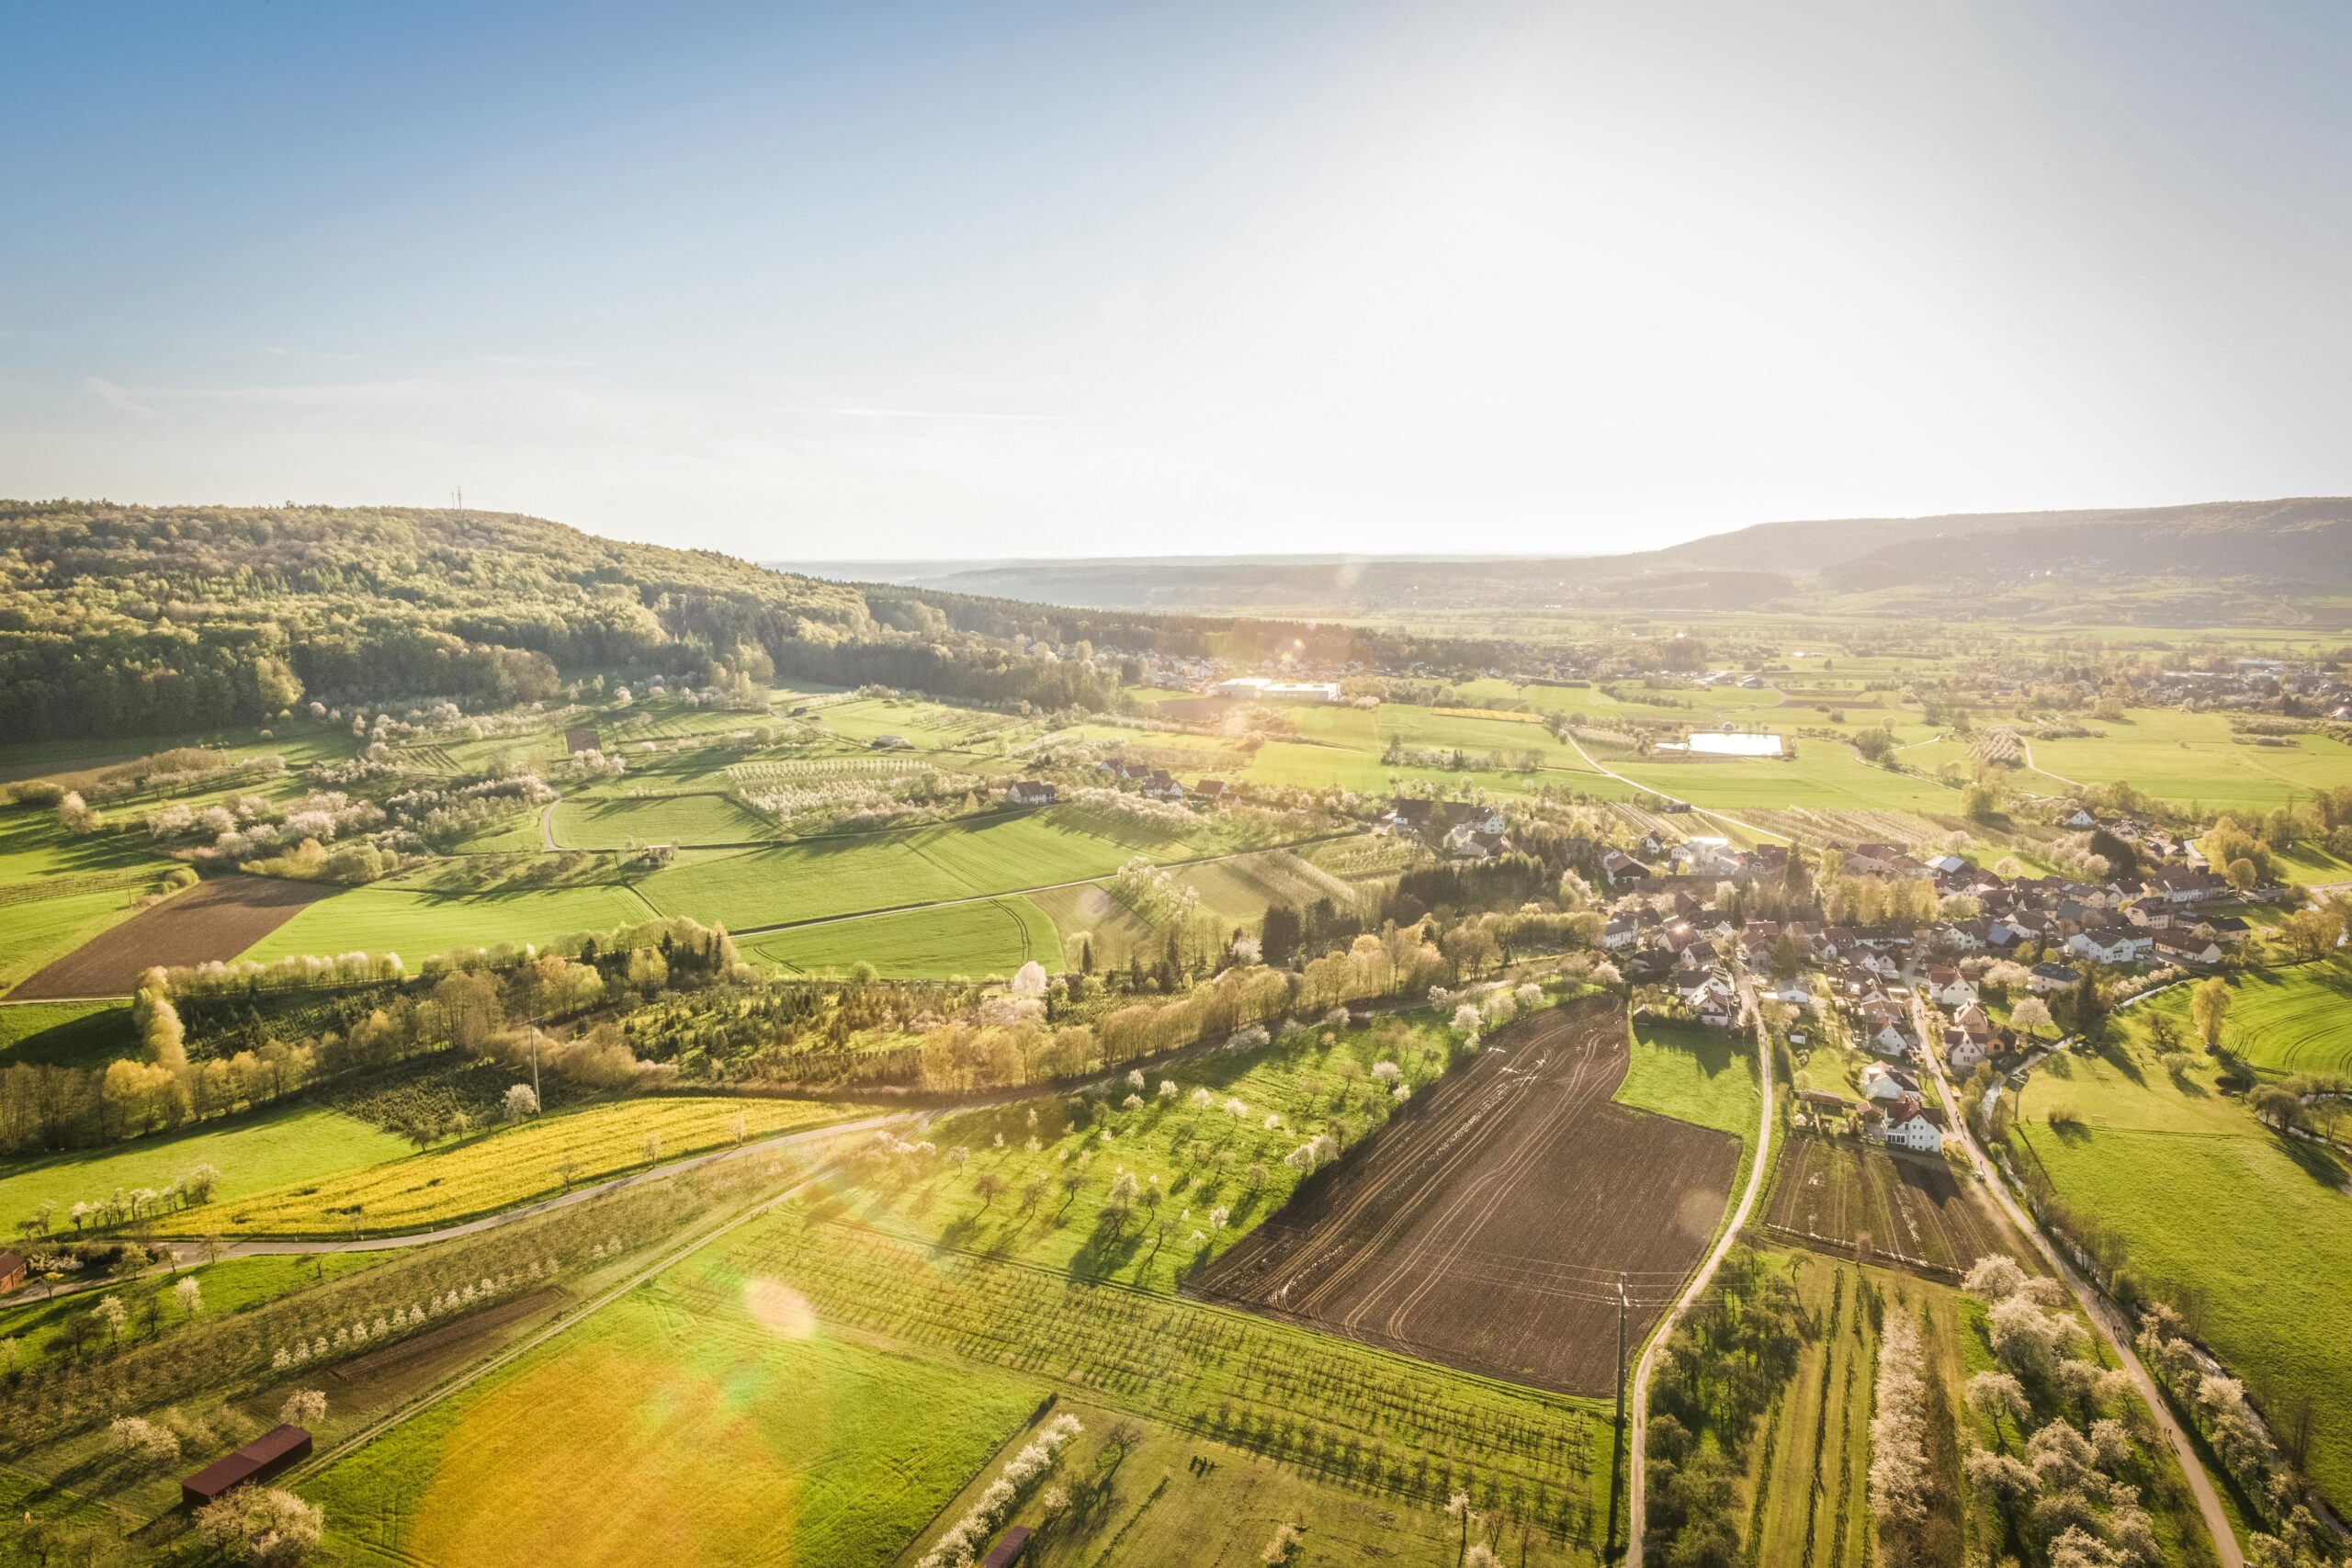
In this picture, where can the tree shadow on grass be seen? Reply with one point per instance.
(1109, 1247)
(2321, 1165)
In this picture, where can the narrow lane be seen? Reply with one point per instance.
(2110, 1324)
(1637, 1402)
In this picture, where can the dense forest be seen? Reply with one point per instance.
(124, 620)
(132, 620)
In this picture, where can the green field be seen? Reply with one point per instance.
(993, 937)
(253, 1153)
(232, 1285)
(1394, 1430)
(1822, 774)
(2191, 758)
(2283, 1021)
(2252, 1233)
(1695, 1074)
(727, 1428)
(612, 822)
(499, 1169)
(822, 877)
(926, 725)
(65, 1034)
(416, 923)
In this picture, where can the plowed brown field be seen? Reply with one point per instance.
(1837, 1196)
(1487, 1227)
(218, 919)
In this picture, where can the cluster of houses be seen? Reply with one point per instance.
(1153, 783)
(2254, 685)
(1458, 830)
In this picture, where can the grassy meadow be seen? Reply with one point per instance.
(990, 937)
(2249, 1232)
(253, 1153)
(728, 1429)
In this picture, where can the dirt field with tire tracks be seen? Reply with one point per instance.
(1487, 1225)
(1841, 1197)
(216, 918)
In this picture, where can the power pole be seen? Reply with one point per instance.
(1622, 1306)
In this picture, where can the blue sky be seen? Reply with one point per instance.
(979, 280)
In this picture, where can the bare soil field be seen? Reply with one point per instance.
(1838, 1196)
(217, 919)
(1488, 1226)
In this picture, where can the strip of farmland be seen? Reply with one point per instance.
(1489, 1227)
(1853, 1200)
(216, 920)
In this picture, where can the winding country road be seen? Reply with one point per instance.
(2110, 1324)
(1637, 1402)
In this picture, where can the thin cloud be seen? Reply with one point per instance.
(115, 396)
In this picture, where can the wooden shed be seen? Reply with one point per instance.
(1007, 1553)
(265, 1456)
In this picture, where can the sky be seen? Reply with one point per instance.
(983, 280)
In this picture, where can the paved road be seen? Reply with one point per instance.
(2110, 1324)
(1637, 1402)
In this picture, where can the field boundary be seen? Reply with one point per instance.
(1638, 1400)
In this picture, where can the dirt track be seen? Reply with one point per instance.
(217, 919)
(1487, 1229)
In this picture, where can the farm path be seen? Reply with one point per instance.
(547, 826)
(189, 1253)
(2111, 1326)
(1749, 828)
(1637, 1400)
(2045, 772)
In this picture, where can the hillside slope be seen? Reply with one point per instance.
(2296, 547)
(129, 620)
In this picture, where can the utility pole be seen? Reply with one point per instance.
(1622, 1305)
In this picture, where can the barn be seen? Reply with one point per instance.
(265, 1456)
(1007, 1553)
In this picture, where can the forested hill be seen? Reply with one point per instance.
(129, 620)
(133, 620)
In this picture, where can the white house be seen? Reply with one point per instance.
(1962, 1052)
(1957, 993)
(1911, 1125)
(2111, 947)
(1882, 1082)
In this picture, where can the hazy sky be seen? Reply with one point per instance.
(984, 279)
